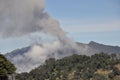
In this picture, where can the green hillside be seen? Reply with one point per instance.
(6, 68)
(77, 67)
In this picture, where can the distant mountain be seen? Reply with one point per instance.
(89, 49)
(24, 62)
(94, 47)
(104, 48)
(17, 52)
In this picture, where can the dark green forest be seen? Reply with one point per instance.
(77, 67)
(6, 68)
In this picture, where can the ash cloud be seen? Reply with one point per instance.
(23, 17)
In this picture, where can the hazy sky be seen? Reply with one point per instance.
(83, 20)
(86, 20)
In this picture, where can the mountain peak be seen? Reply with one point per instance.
(92, 42)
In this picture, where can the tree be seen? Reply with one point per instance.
(6, 68)
(116, 71)
(99, 77)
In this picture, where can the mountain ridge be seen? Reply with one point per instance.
(22, 58)
(91, 44)
(94, 47)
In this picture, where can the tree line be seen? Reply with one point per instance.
(77, 67)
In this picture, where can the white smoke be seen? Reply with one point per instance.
(39, 53)
(35, 56)
(23, 17)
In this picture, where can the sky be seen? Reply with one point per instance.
(82, 20)
(88, 20)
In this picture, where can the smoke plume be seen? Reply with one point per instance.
(23, 17)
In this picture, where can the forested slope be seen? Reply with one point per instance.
(77, 67)
(6, 68)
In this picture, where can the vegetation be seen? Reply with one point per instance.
(77, 67)
(6, 67)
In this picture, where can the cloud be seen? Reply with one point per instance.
(22, 17)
